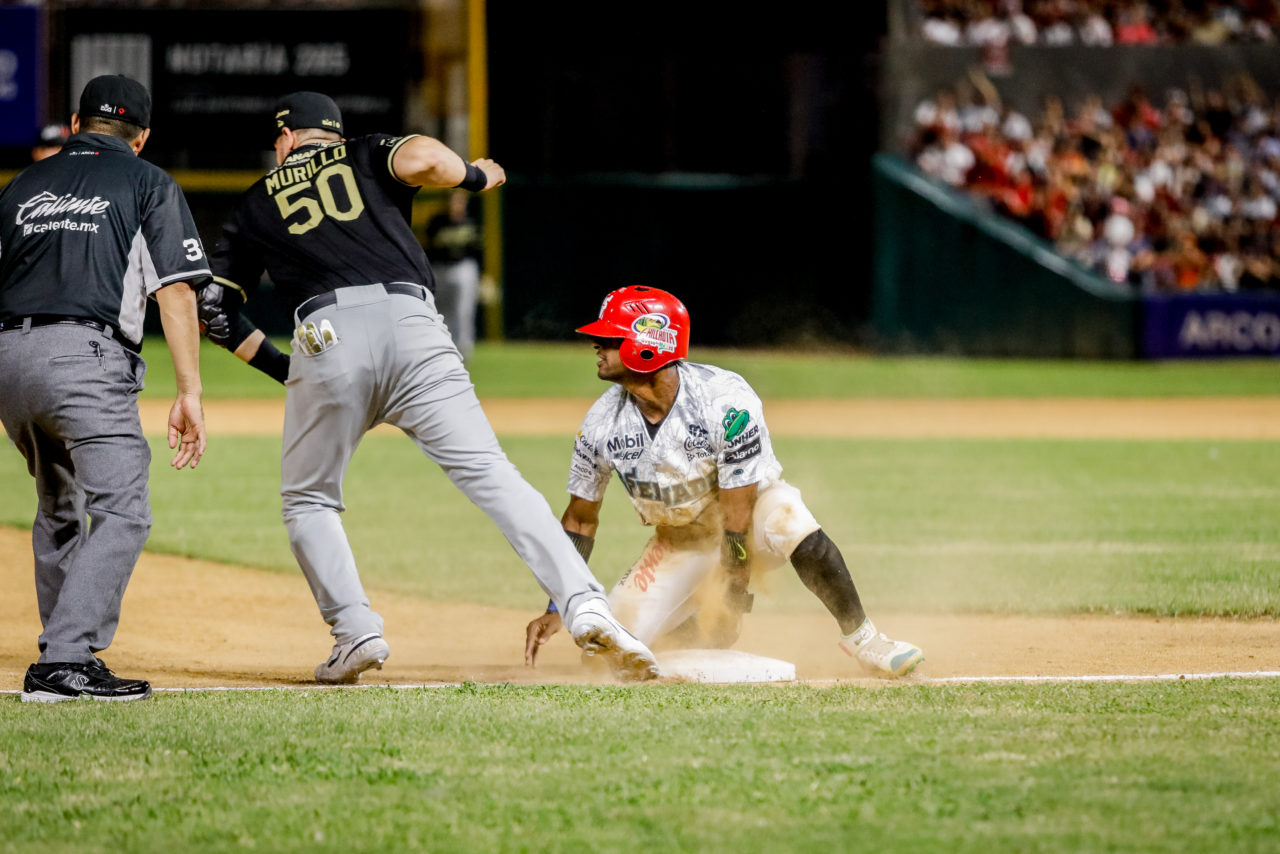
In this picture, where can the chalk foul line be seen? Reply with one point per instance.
(940, 680)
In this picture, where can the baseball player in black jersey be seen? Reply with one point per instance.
(331, 227)
(86, 236)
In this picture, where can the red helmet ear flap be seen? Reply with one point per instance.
(641, 358)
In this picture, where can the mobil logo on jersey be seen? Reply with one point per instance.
(628, 447)
(653, 330)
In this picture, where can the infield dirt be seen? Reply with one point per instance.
(192, 623)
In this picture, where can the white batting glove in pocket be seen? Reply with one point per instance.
(313, 339)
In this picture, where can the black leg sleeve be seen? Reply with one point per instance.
(821, 567)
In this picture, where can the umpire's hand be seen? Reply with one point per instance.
(538, 632)
(186, 430)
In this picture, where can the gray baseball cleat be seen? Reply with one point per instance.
(596, 631)
(350, 659)
(880, 654)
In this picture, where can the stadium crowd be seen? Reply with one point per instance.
(1171, 195)
(1098, 22)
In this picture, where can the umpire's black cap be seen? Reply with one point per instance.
(308, 110)
(114, 96)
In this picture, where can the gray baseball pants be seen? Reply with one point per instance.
(395, 363)
(69, 402)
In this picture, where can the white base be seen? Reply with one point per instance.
(723, 665)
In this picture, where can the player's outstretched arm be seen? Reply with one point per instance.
(223, 324)
(581, 517)
(538, 632)
(580, 521)
(177, 303)
(424, 161)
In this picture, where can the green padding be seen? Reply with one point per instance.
(953, 277)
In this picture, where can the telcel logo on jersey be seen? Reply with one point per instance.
(653, 330)
(46, 205)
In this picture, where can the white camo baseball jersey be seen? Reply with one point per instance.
(714, 435)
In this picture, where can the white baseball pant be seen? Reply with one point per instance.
(677, 574)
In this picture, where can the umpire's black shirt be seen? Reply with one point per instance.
(331, 215)
(91, 232)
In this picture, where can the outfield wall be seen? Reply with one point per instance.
(952, 277)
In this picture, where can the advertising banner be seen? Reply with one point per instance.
(215, 74)
(21, 75)
(1211, 326)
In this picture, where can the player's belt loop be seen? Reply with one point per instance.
(406, 288)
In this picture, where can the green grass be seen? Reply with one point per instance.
(1020, 526)
(1168, 767)
(1169, 528)
(568, 370)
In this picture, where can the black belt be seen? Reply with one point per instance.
(329, 298)
(52, 319)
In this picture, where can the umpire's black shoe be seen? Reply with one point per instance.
(58, 681)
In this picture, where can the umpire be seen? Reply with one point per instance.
(85, 237)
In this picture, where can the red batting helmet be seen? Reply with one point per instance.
(653, 326)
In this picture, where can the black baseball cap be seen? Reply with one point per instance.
(308, 110)
(114, 96)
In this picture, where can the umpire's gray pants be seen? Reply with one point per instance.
(395, 363)
(69, 401)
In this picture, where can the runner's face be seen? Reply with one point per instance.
(608, 360)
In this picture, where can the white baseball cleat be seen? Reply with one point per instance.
(879, 653)
(350, 659)
(596, 631)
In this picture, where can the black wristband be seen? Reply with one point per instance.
(475, 181)
(582, 543)
(239, 329)
(271, 361)
(734, 553)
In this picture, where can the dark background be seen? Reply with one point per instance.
(718, 153)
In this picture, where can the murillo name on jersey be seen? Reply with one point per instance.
(317, 160)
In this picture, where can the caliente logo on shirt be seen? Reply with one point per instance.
(45, 206)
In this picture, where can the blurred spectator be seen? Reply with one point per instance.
(49, 141)
(1133, 25)
(1259, 272)
(1178, 196)
(1095, 29)
(1097, 22)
